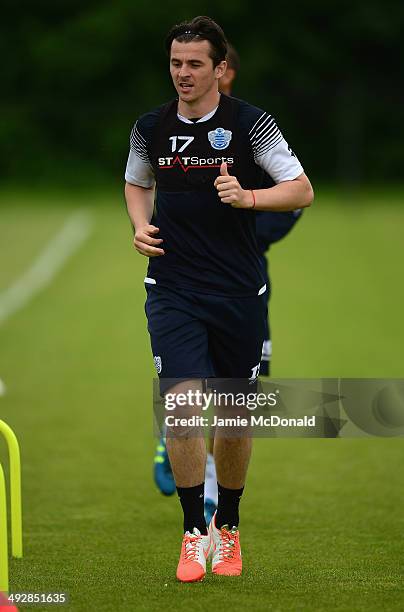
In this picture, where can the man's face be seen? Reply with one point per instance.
(192, 70)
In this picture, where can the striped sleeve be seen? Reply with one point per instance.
(271, 151)
(139, 170)
(138, 144)
(264, 135)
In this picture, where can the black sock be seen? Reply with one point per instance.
(192, 503)
(227, 509)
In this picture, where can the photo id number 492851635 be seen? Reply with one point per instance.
(38, 598)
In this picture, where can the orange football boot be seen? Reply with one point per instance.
(194, 551)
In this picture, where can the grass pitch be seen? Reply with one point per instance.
(322, 520)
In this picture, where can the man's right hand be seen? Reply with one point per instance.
(145, 243)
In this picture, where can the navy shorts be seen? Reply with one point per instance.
(197, 335)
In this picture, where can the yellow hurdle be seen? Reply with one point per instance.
(3, 536)
(15, 505)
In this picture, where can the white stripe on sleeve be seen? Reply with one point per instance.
(138, 168)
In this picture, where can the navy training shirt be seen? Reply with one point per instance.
(209, 246)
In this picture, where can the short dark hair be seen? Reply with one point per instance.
(200, 28)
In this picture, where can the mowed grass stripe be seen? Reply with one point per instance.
(47, 264)
(24, 230)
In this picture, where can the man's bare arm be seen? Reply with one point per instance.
(288, 195)
(285, 196)
(140, 203)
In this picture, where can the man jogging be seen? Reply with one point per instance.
(270, 228)
(206, 153)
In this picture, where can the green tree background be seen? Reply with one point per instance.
(75, 75)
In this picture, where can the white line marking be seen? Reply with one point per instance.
(75, 231)
(3, 388)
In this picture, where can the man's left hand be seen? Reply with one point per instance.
(230, 191)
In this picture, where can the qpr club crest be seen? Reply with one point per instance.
(219, 138)
(157, 363)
